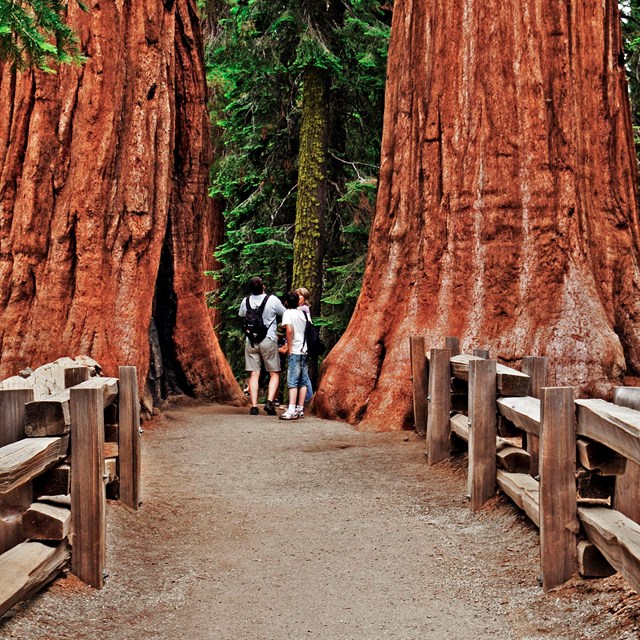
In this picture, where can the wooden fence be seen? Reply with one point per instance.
(60, 456)
(572, 465)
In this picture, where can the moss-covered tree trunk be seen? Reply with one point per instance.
(507, 207)
(104, 214)
(312, 184)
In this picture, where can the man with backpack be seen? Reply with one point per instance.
(260, 313)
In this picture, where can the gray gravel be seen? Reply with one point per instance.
(256, 528)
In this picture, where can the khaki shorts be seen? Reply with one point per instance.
(266, 351)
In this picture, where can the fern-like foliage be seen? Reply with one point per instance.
(33, 33)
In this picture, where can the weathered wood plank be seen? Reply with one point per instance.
(22, 461)
(420, 381)
(42, 521)
(598, 458)
(627, 494)
(50, 416)
(75, 375)
(129, 460)
(616, 537)
(110, 449)
(591, 563)
(523, 411)
(536, 368)
(439, 405)
(483, 431)
(481, 353)
(27, 568)
(513, 459)
(523, 490)
(558, 505)
(453, 344)
(614, 426)
(509, 381)
(13, 503)
(459, 424)
(88, 498)
(54, 482)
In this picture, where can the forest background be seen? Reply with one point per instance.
(265, 63)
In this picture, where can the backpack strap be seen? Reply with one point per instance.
(247, 304)
(304, 340)
(263, 304)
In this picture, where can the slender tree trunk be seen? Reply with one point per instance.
(507, 208)
(103, 188)
(312, 184)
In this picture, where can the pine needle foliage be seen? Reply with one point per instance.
(630, 13)
(255, 63)
(33, 33)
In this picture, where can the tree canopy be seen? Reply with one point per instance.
(255, 68)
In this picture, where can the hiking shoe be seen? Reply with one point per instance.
(289, 415)
(253, 411)
(270, 408)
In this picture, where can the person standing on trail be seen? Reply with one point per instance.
(260, 313)
(303, 304)
(295, 324)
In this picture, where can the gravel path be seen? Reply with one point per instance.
(254, 528)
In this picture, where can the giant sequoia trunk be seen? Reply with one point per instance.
(507, 210)
(103, 200)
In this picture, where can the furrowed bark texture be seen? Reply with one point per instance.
(101, 165)
(507, 210)
(312, 184)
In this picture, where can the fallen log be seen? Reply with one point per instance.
(523, 490)
(509, 381)
(50, 416)
(42, 521)
(611, 425)
(616, 537)
(22, 461)
(27, 568)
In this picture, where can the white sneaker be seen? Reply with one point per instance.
(300, 414)
(289, 415)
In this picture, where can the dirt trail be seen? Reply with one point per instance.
(253, 528)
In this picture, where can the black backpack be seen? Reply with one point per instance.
(253, 326)
(315, 345)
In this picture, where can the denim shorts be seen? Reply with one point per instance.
(298, 371)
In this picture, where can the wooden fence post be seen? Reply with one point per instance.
(13, 503)
(453, 344)
(420, 382)
(482, 431)
(129, 437)
(481, 353)
(558, 504)
(627, 492)
(88, 496)
(75, 375)
(536, 368)
(439, 405)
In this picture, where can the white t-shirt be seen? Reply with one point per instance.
(298, 322)
(272, 309)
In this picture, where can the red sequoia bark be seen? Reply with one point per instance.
(101, 165)
(507, 210)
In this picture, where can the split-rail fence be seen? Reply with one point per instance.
(60, 456)
(572, 465)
